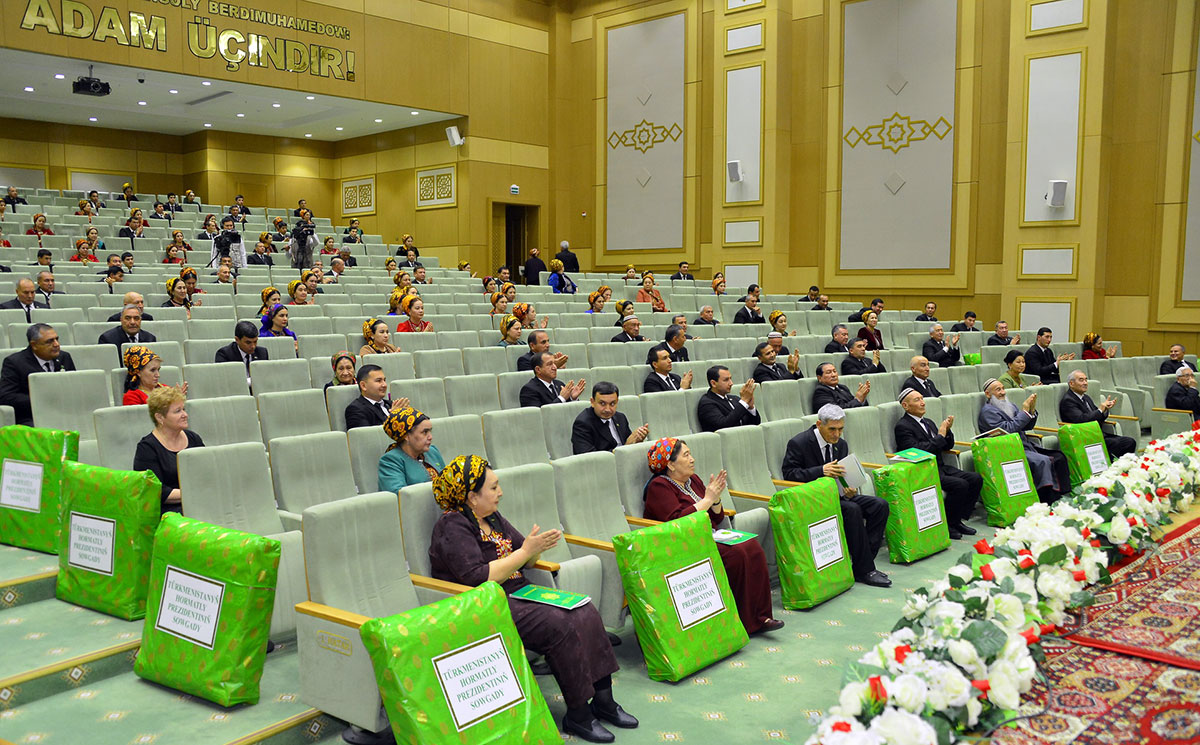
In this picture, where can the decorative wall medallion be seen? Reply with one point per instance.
(644, 136)
(358, 196)
(436, 187)
(898, 132)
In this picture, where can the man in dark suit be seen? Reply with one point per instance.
(960, 489)
(814, 294)
(545, 387)
(966, 324)
(1001, 337)
(538, 341)
(260, 255)
(45, 287)
(1040, 359)
(374, 405)
(129, 332)
(601, 427)
(683, 272)
(858, 364)
(769, 369)
(816, 453)
(1172, 363)
(673, 343)
(135, 298)
(841, 340)
(718, 410)
(44, 354)
(25, 299)
(706, 317)
(568, 258)
(937, 349)
(12, 199)
(630, 327)
(661, 378)
(1183, 395)
(876, 306)
(920, 381)
(1076, 406)
(749, 313)
(244, 348)
(830, 391)
(94, 198)
(822, 303)
(240, 202)
(930, 313)
(301, 205)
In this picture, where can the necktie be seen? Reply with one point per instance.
(27, 318)
(928, 427)
(552, 391)
(828, 453)
(1087, 403)
(246, 359)
(133, 338)
(612, 429)
(48, 365)
(671, 383)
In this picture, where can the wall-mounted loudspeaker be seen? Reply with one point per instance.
(734, 168)
(453, 137)
(1057, 196)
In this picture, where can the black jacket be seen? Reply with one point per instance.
(362, 413)
(995, 341)
(624, 337)
(960, 327)
(926, 389)
(1178, 397)
(778, 371)
(818, 307)
(923, 317)
(745, 315)
(533, 270)
(854, 366)
(15, 304)
(569, 259)
(1040, 362)
(525, 362)
(804, 462)
(1073, 410)
(590, 433)
(702, 322)
(681, 275)
(655, 384)
(233, 353)
(677, 355)
(535, 393)
(909, 434)
(717, 412)
(118, 337)
(1168, 367)
(839, 395)
(14, 380)
(833, 348)
(257, 259)
(857, 316)
(935, 352)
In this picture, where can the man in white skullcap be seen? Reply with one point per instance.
(1182, 394)
(1049, 467)
(960, 489)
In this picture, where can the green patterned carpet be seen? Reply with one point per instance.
(17, 568)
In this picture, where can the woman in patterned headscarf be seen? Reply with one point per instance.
(779, 320)
(465, 266)
(510, 331)
(413, 307)
(39, 227)
(343, 369)
(177, 296)
(412, 458)
(83, 252)
(648, 293)
(718, 285)
(489, 285)
(270, 296)
(509, 291)
(558, 279)
(394, 299)
(527, 315)
(606, 292)
(274, 323)
(499, 304)
(298, 291)
(376, 334)
(144, 367)
(472, 543)
(595, 302)
(402, 279)
(631, 271)
(190, 277)
(624, 308)
(675, 491)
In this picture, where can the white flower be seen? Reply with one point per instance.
(1056, 584)
(909, 693)
(851, 698)
(945, 610)
(1118, 529)
(1010, 612)
(1003, 567)
(961, 571)
(1003, 688)
(896, 727)
(915, 607)
(948, 687)
(964, 655)
(974, 709)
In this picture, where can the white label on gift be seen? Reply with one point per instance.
(91, 546)
(825, 540)
(1015, 478)
(478, 681)
(21, 485)
(927, 508)
(190, 607)
(1095, 457)
(695, 593)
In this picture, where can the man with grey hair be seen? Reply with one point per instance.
(1076, 407)
(1174, 361)
(45, 287)
(1049, 467)
(961, 489)
(1001, 337)
(568, 258)
(129, 332)
(830, 391)
(816, 453)
(44, 354)
(1182, 394)
(937, 349)
(841, 337)
(920, 381)
(706, 317)
(25, 299)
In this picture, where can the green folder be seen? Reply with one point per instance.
(912, 455)
(731, 537)
(557, 598)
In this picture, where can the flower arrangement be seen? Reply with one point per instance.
(967, 647)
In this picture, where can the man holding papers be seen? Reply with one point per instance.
(1077, 407)
(1049, 467)
(960, 489)
(817, 452)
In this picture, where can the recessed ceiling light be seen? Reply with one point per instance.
(92, 119)
(308, 134)
(414, 113)
(339, 128)
(207, 124)
(29, 89)
(141, 103)
(378, 121)
(311, 98)
(241, 116)
(59, 76)
(172, 91)
(275, 106)
(205, 82)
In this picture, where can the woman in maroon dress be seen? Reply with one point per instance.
(676, 491)
(473, 544)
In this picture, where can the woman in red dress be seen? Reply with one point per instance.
(144, 367)
(870, 332)
(675, 491)
(413, 307)
(39, 226)
(650, 294)
(83, 252)
(1093, 348)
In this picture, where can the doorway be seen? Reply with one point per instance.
(514, 232)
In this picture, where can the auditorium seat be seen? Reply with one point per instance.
(118, 429)
(606, 354)
(458, 435)
(215, 380)
(337, 398)
(779, 399)
(164, 330)
(484, 360)
(395, 365)
(93, 356)
(17, 338)
(558, 419)
(744, 456)
(366, 445)
(514, 437)
(427, 395)
(311, 469)
(274, 376)
(225, 421)
(471, 394)
(59, 398)
(628, 380)
(289, 413)
(438, 363)
(963, 379)
(776, 436)
(510, 384)
(230, 486)
(666, 413)
(278, 348)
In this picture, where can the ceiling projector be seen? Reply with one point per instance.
(91, 87)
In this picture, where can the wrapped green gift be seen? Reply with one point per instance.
(679, 596)
(208, 612)
(1084, 448)
(973, 358)
(31, 485)
(810, 544)
(1008, 488)
(455, 672)
(109, 519)
(916, 525)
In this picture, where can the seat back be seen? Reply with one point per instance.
(354, 555)
(418, 513)
(779, 399)
(966, 419)
(290, 413)
(215, 380)
(745, 459)
(485, 360)
(510, 384)
(471, 394)
(587, 502)
(118, 429)
(632, 474)
(311, 469)
(863, 436)
(605, 354)
(337, 398)
(427, 395)
(230, 486)
(504, 448)
(225, 421)
(666, 414)
(366, 444)
(558, 420)
(59, 398)
(963, 379)
(275, 376)
(458, 435)
(531, 501)
(438, 362)
(775, 437)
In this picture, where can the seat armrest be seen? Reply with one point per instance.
(1171, 411)
(1051, 430)
(870, 465)
(961, 442)
(290, 520)
(331, 614)
(748, 495)
(641, 522)
(579, 540)
(440, 585)
(1122, 417)
(781, 482)
(547, 566)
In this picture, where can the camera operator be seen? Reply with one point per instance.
(228, 243)
(303, 244)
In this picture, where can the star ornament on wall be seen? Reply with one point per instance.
(898, 132)
(644, 136)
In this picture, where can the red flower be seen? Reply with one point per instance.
(1086, 532)
(1030, 635)
(1027, 562)
(983, 686)
(1076, 560)
(1079, 575)
(875, 686)
(1195, 425)
(1095, 543)
(986, 572)
(840, 727)
(1132, 521)
(983, 547)
(901, 652)
(1125, 549)
(1046, 628)
(1163, 492)
(1102, 491)
(1024, 552)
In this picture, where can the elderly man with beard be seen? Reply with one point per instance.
(1049, 467)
